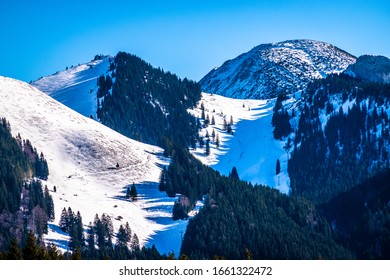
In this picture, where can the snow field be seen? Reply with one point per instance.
(252, 149)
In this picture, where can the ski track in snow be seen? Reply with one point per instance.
(253, 149)
(82, 155)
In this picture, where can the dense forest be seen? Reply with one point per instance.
(360, 217)
(351, 147)
(240, 219)
(148, 104)
(25, 205)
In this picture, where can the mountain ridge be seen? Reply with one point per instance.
(270, 69)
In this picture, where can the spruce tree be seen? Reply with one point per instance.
(133, 193)
(31, 249)
(14, 252)
(234, 173)
(135, 243)
(207, 149)
(64, 220)
(277, 167)
(217, 142)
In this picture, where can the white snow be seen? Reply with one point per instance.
(82, 155)
(76, 87)
(252, 149)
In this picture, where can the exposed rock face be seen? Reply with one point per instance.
(374, 68)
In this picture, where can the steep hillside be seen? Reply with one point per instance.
(146, 103)
(270, 69)
(363, 224)
(76, 87)
(340, 136)
(90, 164)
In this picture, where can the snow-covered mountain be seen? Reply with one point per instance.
(374, 68)
(76, 86)
(82, 157)
(269, 69)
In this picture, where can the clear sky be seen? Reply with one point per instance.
(188, 38)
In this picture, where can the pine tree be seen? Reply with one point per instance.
(70, 221)
(14, 252)
(31, 249)
(64, 220)
(123, 237)
(212, 120)
(234, 173)
(49, 205)
(163, 180)
(80, 229)
(53, 253)
(217, 142)
(207, 149)
(133, 193)
(135, 243)
(91, 238)
(277, 166)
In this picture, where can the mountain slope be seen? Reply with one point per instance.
(269, 69)
(82, 156)
(252, 149)
(76, 87)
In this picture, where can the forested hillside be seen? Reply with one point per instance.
(24, 204)
(360, 217)
(147, 104)
(342, 137)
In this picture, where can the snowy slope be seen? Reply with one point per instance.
(269, 69)
(252, 149)
(76, 87)
(82, 155)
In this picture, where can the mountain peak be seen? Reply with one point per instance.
(269, 69)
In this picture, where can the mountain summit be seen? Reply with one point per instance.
(269, 69)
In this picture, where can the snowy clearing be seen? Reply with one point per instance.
(252, 149)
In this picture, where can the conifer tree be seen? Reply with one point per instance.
(217, 142)
(31, 249)
(49, 205)
(135, 243)
(91, 237)
(234, 173)
(14, 252)
(53, 253)
(133, 193)
(212, 120)
(277, 166)
(64, 220)
(207, 149)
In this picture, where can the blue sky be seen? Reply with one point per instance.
(188, 38)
